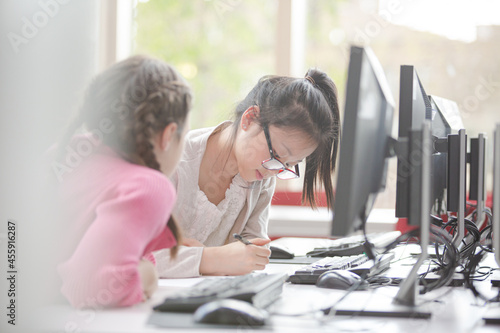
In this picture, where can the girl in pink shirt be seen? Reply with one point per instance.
(113, 167)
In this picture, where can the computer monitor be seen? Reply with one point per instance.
(456, 181)
(366, 135)
(450, 112)
(440, 110)
(492, 315)
(448, 133)
(450, 140)
(440, 130)
(496, 194)
(477, 162)
(365, 148)
(414, 108)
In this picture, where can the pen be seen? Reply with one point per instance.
(242, 239)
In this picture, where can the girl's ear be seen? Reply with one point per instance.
(167, 136)
(248, 116)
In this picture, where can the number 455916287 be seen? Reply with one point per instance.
(11, 244)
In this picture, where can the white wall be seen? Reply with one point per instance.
(47, 56)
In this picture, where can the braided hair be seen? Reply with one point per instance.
(139, 96)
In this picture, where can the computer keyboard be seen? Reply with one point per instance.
(359, 264)
(259, 289)
(354, 245)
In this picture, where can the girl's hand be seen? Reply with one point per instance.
(149, 278)
(235, 258)
(191, 242)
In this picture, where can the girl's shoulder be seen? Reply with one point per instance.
(147, 180)
(202, 134)
(130, 180)
(196, 140)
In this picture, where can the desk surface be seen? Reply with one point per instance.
(454, 309)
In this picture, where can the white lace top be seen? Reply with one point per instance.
(244, 210)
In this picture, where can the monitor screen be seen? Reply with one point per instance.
(368, 113)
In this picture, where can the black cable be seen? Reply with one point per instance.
(481, 276)
(468, 249)
(448, 260)
(368, 246)
(473, 262)
(486, 234)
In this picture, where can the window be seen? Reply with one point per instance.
(221, 47)
(455, 54)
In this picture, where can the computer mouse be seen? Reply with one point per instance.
(280, 252)
(230, 312)
(341, 279)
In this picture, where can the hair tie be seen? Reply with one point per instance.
(310, 79)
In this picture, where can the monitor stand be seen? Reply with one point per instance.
(495, 279)
(378, 305)
(492, 314)
(420, 189)
(495, 223)
(404, 304)
(478, 159)
(480, 216)
(462, 164)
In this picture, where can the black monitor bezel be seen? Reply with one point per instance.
(353, 204)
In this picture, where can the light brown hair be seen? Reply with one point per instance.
(140, 96)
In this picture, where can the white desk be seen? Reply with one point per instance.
(455, 310)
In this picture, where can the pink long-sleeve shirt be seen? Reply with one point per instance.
(118, 212)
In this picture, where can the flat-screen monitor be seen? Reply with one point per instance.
(440, 129)
(441, 111)
(477, 162)
(365, 148)
(414, 108)
(457, 162)
(450, 112)
(449, 158)
(366, 134)
(496, 194)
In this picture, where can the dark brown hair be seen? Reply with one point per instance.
(140, 96)
(309, 104)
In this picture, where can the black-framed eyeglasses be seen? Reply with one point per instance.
(274, 164)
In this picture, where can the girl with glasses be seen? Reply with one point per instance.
(226, 177)
(112, 173)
